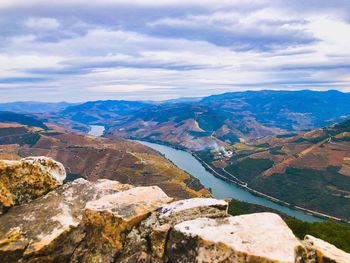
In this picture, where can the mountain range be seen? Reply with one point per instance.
(212, 121)
(292, 145)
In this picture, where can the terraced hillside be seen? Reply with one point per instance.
(308, 169)
(94, 158)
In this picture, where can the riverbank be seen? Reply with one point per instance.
(271, 198)
(219, 185)
(235, 181)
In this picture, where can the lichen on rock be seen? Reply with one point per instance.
(321, 251)
(155, 229)
(27, 179)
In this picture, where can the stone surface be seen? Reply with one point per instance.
(321, 251)
(27, 179)
(262, 237)
(109, 219)
(192, 208)
(48, 228)
(155, 228)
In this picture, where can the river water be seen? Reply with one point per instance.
(96, 130)
(220, 188)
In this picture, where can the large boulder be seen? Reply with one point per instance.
(48, 229)
(108, 220)
(151, 236)
(27, 179)
(321, 251)
(262, 237)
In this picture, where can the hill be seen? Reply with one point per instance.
(216, 121)
(211, 122)
(307, 169)
(101, 112)
(95, 158)
(30, 120)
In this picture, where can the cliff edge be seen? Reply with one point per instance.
(107, 221)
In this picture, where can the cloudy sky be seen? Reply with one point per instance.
(77, 50)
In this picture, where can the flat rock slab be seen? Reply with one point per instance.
(192, 206)
(262, 237)
(321, 251)
(129, 204)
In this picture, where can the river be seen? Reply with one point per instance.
(96, 130)
(220, 188)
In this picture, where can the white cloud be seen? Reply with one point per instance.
(42, 23)
(99, 61)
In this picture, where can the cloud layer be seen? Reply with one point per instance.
(114, 49)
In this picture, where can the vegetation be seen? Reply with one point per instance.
(277, 150)
(286, 135)
(249, 168)
(323, 191)
(18, 135)
(263, 145)
(7, 117)
(332, 232)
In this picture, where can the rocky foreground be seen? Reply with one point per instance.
(106, 221)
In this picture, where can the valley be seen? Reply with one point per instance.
(308, 169)
(94, 158)
(271, 142)
(223, 188)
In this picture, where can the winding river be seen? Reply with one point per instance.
(221, 188)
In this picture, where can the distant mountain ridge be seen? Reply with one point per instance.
(231, 117)
(212, 121)
(34, 107)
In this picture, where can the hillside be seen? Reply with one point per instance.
(307, 169)
(211, 122)
(101, 112)
(95, 158)
(219, 120)
(11, 117)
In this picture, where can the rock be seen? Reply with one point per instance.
(158, 238)
(193, 208)
(262, 237)
(27, 179)
(321, 251)
(108, 220)
(156, 227)
(48, 229)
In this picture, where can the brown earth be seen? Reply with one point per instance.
(95, 158)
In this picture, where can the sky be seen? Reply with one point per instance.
(78, 50)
